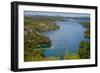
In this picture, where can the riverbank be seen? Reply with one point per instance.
(84, 49)
(33, 38)
(87, 26)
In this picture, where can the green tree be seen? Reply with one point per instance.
(84, 50)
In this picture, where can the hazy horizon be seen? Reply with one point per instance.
(33, 13)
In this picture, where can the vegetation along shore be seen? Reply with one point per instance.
(35, 42)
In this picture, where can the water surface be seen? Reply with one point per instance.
(66, 39)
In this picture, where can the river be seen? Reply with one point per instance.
(65, 40)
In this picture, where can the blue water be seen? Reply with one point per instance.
(66, 39)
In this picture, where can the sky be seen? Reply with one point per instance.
(56, 14)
